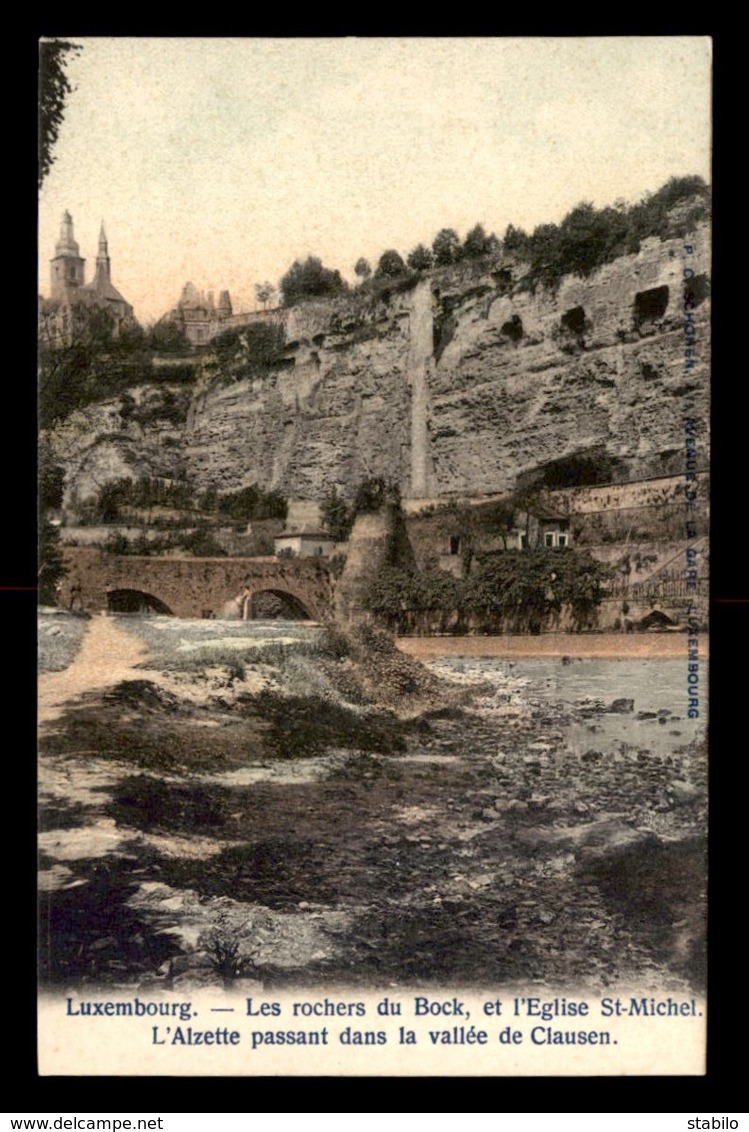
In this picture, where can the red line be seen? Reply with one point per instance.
(33, 588)
(731, 600)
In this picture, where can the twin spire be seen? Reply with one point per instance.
(103, 262)
(67, 245)
(67, 273)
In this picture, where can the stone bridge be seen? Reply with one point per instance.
(193, 587)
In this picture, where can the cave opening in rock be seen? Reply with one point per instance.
(513, 328)
(502, 279)
(573, 321)
(651, 305)
(696, 290)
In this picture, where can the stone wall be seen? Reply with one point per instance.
(634, 512)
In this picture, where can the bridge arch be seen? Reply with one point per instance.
(289, 606)
(194, 587)
(135, 601)
(656, 619)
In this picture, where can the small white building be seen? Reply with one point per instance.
(304, 544)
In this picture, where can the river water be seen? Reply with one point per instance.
(580, 694)
(573, 680)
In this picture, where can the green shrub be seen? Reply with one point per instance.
(588, 237)
(420, 259)
(390, 263)
(477, 243)
(309, 280)
(252, 351)
(516, 591)
(227, 953)
(202, 544)
(336, 515)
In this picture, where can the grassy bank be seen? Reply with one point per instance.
(59, 638)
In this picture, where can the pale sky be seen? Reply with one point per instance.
(221, 161)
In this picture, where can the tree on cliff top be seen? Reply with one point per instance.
(516, 240)
(54, 88)
(264, 292)
(310, 280)
(446, 247)
(420, 259)
(588, 237)
(92, 363)
(390, 263)
(477, 243)
(362, 268)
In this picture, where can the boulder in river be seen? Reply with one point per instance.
(621, 706)
(683, 793)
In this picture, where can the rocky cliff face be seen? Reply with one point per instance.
(339, 413)
(457, 385)
(107, 441)
(527, 379)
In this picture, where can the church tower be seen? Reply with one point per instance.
(67, 266)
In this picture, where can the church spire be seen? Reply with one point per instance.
(103, 263)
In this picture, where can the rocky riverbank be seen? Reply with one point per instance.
(325, 810)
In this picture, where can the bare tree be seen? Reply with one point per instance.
(264, 292)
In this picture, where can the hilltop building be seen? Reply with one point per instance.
(198, 316)
(69, 289)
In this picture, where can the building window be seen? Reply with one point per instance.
(562, 540)
(523, 542)
(455, 544)
(549, 539)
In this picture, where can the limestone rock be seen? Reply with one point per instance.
(431, 390)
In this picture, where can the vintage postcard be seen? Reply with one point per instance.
(374, 462)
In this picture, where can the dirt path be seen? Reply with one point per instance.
(107, 655)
